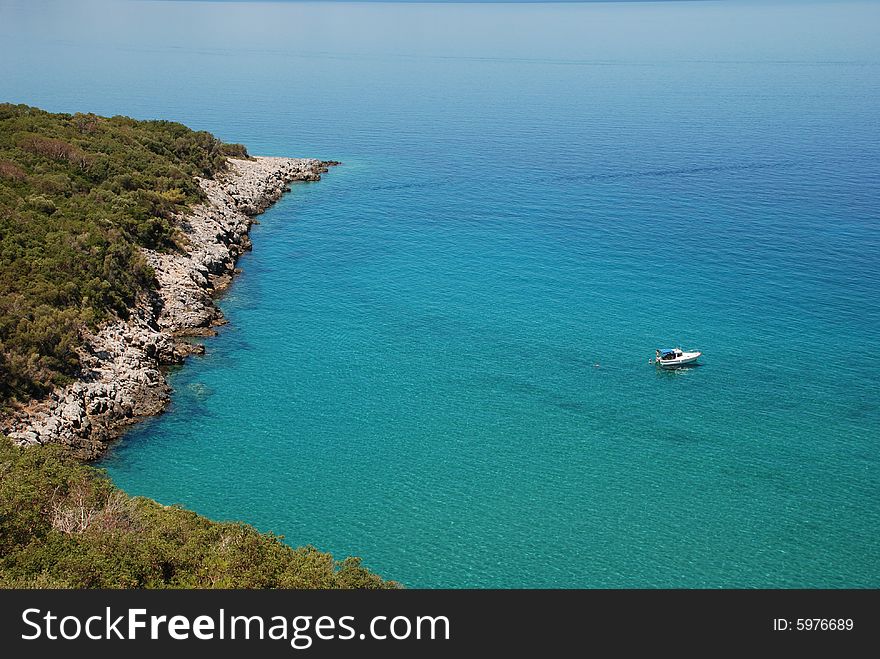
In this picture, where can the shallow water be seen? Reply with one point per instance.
(437, 356)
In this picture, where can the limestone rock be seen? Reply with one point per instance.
(121, 380)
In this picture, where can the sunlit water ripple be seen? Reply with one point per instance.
(437, 356)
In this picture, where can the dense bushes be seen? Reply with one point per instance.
(78, 194)
(64, 525)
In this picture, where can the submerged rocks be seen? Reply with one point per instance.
(121, 380)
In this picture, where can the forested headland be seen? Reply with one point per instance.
(80, 197)
(79, 194)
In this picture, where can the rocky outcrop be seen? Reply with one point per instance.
(122, 379)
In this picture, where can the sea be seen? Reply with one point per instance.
(438, 357)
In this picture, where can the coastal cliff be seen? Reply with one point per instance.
(121, 375)
(116, 235)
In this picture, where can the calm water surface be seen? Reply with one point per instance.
(437, 356)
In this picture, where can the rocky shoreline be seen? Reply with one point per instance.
(122, 379)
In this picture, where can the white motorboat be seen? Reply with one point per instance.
(675, 357)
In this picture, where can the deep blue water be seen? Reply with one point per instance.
(437, 356)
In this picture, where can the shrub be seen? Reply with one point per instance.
(78, 195)
(64, 525)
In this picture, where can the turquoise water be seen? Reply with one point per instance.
(437, 356)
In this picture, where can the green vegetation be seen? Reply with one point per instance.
(78, 194)
(64, 525)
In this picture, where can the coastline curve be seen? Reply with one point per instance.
(122, 379)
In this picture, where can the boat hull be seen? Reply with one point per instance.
(687, 359)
